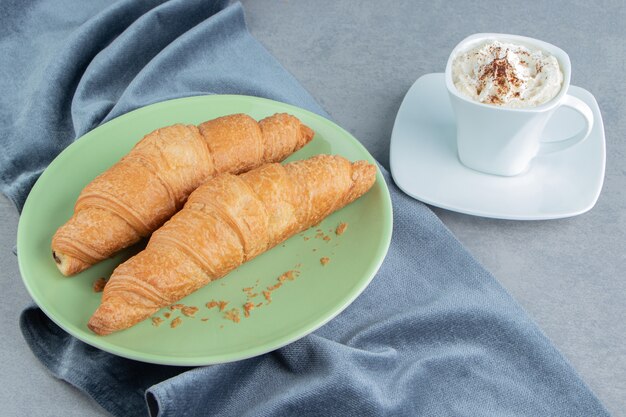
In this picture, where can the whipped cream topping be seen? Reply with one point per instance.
(507, 75)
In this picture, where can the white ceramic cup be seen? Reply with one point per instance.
(503, 141)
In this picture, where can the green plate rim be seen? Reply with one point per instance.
(101, 342)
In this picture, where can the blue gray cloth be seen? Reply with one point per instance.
(433, 335)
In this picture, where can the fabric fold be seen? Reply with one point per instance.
(129, 53)
(123, 56)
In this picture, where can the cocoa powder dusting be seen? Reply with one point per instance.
(502, 73)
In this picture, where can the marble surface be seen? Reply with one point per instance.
(359, 59)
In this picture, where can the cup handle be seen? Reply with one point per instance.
(582, 108)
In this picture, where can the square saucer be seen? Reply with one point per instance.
(425, 165)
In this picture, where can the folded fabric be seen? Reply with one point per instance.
(433, 335)
(75, 65)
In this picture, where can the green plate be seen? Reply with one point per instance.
(297, 308)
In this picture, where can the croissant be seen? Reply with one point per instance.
(146, 187)
(226, 222)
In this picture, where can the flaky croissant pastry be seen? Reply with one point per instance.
(226, 222)
(145, 188)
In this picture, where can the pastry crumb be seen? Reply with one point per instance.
(189, 311)
(275, 286)
(176, 307)
(176, 322)
(156, 321)
(247, 307)
(306, 238)
(259, 305)
(249, 292)
(233, 315)
(341, 229)
(289, 275)
(268, 296)
(220, 304)
(327, 238)
(204, 319)
(99, 284)
(324, 261)
(167, 314)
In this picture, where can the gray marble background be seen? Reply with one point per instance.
(359, 59)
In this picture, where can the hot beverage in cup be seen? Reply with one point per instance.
(507, 74)
(503, 90)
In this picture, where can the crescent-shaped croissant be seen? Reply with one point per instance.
(147, 186)
(226, 222)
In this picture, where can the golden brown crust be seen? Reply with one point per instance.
(227, 221)
(139, 193)
(235, 142)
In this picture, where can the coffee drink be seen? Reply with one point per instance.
(507, 75)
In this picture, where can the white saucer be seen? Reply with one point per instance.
(425, 165)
